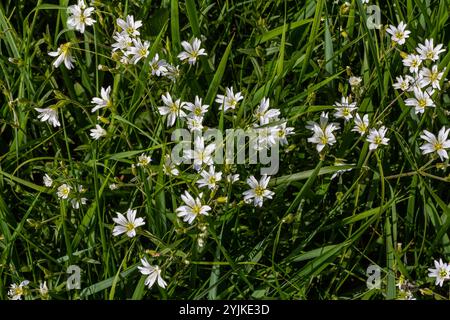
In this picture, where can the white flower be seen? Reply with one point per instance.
(130, 26)
(361, 125)
(376, 138)
(172, 72)
(354, 81)
(63, 191)
(402, 84)
(416, 82)
(138, 51)
(125, 59)
(153, 272)
(258, 191)
(432, 76)
(323, 122)
(441, 272)
(17, 291)
(169, 166)
(421, 100)
(406, 295)
(197, 108)
(123, 42)
(209, 178)
(64, 54)
(127, 225)
(264, 114)
(266, 137)
(229, 100)
(192, 208)
(200, 154)
(43, 290)
(48, 114)
(434, 144)
(77, 202)
(281, 132)
(323, 132)
(104, 101)
(427, 51)
(158, 67)
(173, 109)
(113, 186)
(143, 160)
(47, 180)
(80, 16)
(195, 123)
(344, 109)
(192, 51)
(98, 132)
(232, 178)
(398, 34)
(413, 61)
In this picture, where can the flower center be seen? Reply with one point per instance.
(280, 133)
(430, 54)
(434, 76)
(259, 191)
(174, 108)
(130, 30)
(212, 180)
(362, 127)
(65, 48)
(422, 103)
(196, 209)
(442, 273)
(143, 52)
(438, 146)
(324, 140)
(346, 112)
(129, 226)
(18, 291)
(378, 140)
(82, 18)
(399, 35)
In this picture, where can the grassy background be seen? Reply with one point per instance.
(314, 240)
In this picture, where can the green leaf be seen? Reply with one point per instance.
(214, 86)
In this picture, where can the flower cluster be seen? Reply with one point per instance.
(21, 290)
(424, 78)
(79, 17)
(128, 43)
(323, 132)
(422, 85)
(128, 50)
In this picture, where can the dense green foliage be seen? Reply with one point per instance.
(313, 240)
